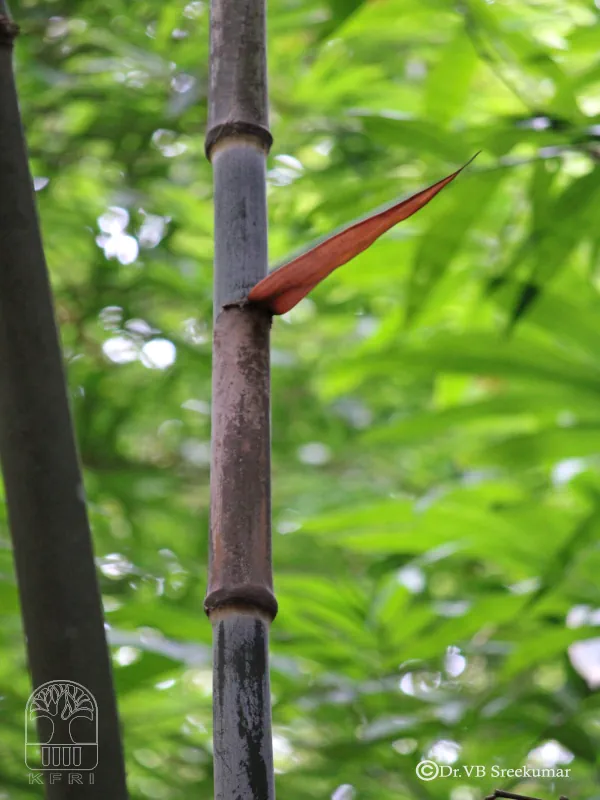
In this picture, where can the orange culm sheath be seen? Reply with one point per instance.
(283, 288)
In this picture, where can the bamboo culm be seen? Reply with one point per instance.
(240, 599)
(60, 598)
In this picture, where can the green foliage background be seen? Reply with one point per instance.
(436, 414)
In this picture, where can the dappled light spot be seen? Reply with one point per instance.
(589, 101)
(168, 143)
(148, 758)
(367, 326)
(288, 525)
(195, 331)
(57, 27)
(199, 406)
(111, 317)
(120, 349)
(304, 311)
(577, 165)
(444, 751)
(384, 726)
(152, 230)
(415, 69)
(324, 147)
(585, 657)
(114, 221)
(420, 683)
(182, 83)
(465, 792)
(283, 752)
(566, 470)
(452, 608)
(581, 615)
(405, 746)
(196, 452)
(139, 326)
(412, 578)
(344, 792)
(133, 78)
(115, 565)
(193, 724)
(315, 453)
(526, 586)
(124, 656)
(288, 169)
(450, 713)
(578, 616)
(170, 428)
(113, 240)
(535, 123)
(454, 662)
(283, 358)
(550, 754)
(110, 604)
(202, 680)
(354, 411)
(158, 354)
(166, 684)
(195, 9)
(153, 641)
(121, 246)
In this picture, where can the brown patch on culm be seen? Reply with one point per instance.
(240, 526)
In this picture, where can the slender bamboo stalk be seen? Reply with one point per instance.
(60, 601)
(240, 600)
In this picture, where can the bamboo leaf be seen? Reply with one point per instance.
(285, 287)
(445, 236)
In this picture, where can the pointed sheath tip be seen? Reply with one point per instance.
(471, 160)
(283, 288)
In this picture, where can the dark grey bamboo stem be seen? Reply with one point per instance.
(60, 601)
(240, 600)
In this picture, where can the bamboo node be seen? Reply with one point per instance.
(237, 130)
(248, 596)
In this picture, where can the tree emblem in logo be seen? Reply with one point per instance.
(61, 728)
